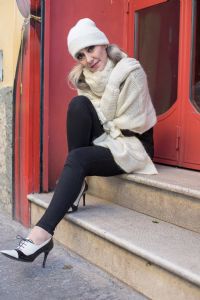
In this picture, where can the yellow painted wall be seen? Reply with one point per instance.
(10, 35)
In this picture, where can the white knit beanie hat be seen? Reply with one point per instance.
(85, 34)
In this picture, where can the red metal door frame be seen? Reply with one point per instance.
(190, 118)
(26, 173)
(184, 70)
(45, 129)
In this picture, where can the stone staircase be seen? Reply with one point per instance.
(144, 230)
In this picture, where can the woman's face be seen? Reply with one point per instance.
(93, 58)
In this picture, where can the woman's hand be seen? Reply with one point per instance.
(122, 70)
(110, 128)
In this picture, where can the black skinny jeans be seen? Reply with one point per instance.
(84, 159)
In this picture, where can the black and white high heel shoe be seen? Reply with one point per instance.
(27, 251)
(74, 206)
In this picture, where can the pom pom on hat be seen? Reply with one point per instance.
(85, 34)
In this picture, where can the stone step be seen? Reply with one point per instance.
(158, 259)
(172, 196)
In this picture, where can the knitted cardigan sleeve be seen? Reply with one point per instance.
(108, 103)
(109, 100)
(118, 114)
(136, 113)
(128, 107)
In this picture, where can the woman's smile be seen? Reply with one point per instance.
(95, 65)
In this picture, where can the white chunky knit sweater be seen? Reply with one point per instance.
(121, 98)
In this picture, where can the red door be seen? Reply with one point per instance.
(162, 40)
(111, 17)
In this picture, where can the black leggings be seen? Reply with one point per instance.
(84, 159)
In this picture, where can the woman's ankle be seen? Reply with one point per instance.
(39, 235)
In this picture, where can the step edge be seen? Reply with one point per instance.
(181, 272)
(33, 198)
(161, 185)
(177, 270)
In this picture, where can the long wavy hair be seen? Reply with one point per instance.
(76, 78)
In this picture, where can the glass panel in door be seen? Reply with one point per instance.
(156, 47)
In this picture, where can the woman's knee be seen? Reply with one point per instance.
(78, 103)
(76, 159)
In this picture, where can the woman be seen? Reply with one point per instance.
(109, 129)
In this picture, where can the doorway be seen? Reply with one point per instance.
(163, 37)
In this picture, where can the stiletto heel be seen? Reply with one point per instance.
(27, 251)
(84, 199)
(74, 206)
(45, 258)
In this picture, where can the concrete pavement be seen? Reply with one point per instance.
(66, 276)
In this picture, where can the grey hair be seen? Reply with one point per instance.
(76, 78)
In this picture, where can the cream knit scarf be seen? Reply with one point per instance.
(98, 80)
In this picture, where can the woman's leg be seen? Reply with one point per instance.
(83, 126)
(81, 162)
